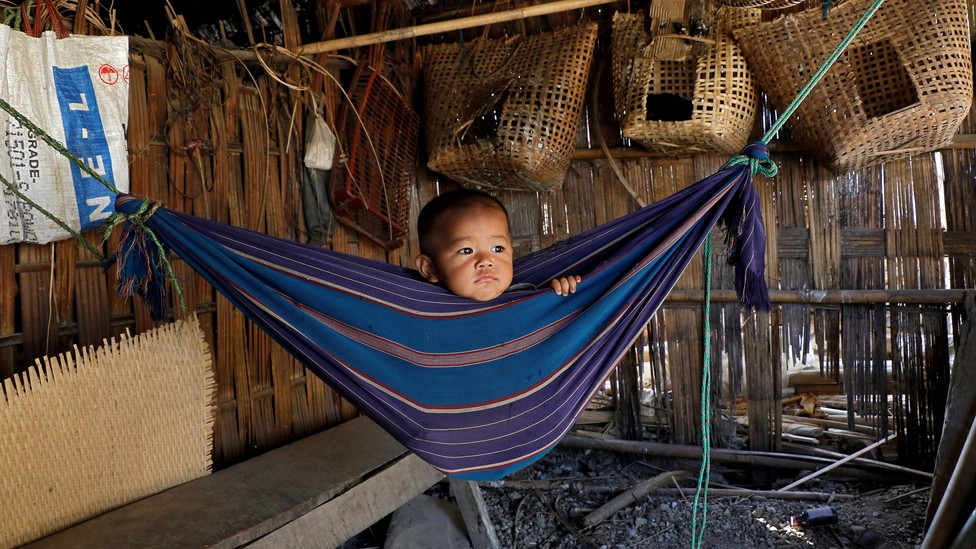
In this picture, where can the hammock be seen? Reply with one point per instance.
(477, 389)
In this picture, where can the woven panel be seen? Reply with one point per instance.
(370, 190)
(506, 114)
(902, 87)
(703, 99)
(85, 433)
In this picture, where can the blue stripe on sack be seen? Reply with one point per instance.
(84, 137)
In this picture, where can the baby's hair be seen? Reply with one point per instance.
(456, 199)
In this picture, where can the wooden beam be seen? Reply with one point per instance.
(334, 522)
(835, 297)
(266, 494)
(447, 26)
(961, 141)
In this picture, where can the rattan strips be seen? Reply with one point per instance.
(681, 93)
(902, 87)
(506, 113)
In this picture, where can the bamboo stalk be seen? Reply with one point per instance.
(835, 297)
(768, 494)
(447, 26)
(858, 427)
(838, 463)
(813, 451)
(628, 497)
(718, 455)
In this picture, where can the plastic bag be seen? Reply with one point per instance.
(320, 142)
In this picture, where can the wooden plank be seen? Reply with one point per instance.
(238, 505)
(334, 522)
(475, 513)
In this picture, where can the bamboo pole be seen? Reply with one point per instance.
(745, 493)
(838, 463)
(718, 455)
(629, 496)
(813, 451)
(961, 141)
(446, 26)
(835, 297)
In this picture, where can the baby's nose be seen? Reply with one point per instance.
(484, 261)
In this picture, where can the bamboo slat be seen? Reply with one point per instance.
(91, 291)
(920, 347)
(39, 325)
(65, 257)
(821, 188)
(8, 325)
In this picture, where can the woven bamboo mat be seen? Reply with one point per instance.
(87, 432)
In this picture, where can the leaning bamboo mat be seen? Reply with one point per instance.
(87, 432)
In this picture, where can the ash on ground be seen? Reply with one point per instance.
(544, 506)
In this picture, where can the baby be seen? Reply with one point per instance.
(465, 246)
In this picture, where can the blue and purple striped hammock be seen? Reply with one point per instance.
(477, 389)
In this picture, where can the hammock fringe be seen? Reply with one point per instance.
(745, 237)
(139, 266)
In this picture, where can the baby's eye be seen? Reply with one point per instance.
(465, 251)
(498, 249)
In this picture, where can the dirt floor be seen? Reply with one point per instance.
(545, 506)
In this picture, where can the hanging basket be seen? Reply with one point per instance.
(902, 87)
(371, 185)
(680, 93)
(506, 114)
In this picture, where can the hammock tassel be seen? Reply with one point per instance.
(745, 238)
(141, 262)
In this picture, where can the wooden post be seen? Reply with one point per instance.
(476, 519)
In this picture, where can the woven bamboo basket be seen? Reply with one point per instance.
(903, 86)
(679, 93)
(506, 113)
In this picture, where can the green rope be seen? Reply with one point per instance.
(704, 473)
(768, 168)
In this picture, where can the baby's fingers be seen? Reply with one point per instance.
(565, 285)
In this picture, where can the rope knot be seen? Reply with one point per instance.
(142, 263)
(756, 156)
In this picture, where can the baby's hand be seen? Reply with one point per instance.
(565, 285)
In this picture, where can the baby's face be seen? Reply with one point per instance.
(472, 254)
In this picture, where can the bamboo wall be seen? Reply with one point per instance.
(220, 138)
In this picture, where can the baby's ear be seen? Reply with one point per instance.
(426, 267)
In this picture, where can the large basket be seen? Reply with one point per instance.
(506, 114)
(902, 87)
(370, 188)
(679, 93)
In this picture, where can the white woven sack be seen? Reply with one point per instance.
(76, 89)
